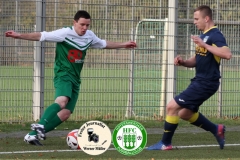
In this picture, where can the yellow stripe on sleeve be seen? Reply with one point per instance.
(217, 58)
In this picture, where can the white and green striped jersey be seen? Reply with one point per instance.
(71, 50)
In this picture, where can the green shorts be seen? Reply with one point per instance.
(65, 87)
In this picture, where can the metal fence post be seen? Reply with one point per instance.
(43, 27)
(39, 58)
(219, 114)
(172, 47)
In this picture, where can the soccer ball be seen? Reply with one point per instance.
(72, 139)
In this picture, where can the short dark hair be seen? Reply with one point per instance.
(82, 14)
(206, 10)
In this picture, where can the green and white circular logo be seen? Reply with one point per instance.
(94, 137)
(129, 137)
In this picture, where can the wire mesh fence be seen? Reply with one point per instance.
(114, 80)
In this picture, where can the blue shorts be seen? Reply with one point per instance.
(196, 93)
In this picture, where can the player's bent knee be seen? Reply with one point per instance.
(184, 117)
(62, 101)
(172, 107)
(64, 114)
(185, 114)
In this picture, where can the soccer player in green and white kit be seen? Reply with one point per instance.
(72, 44)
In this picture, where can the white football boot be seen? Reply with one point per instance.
(40, 130)
(32, 139)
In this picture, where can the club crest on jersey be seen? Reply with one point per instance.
(205, 38)
(75, 56)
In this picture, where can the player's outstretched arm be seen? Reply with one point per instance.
(35, 36)
(114, 45)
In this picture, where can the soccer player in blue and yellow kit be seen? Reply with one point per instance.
(72, 45)
(211, 47)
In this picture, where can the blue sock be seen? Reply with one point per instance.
(200, 121)
(170, 126)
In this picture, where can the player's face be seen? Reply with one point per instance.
(81, 26)
(199, 21)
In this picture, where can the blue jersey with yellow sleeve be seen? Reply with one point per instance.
(207, 64)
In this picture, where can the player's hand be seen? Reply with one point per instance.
(178, 61)
(130, 44)
(12, 34)
(198, 41)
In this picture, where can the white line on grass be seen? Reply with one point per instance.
(201, 146)
(42, 151)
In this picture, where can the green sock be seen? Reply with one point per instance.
(49, 113)
(51, 125)
(33, 133)
(56, 121)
